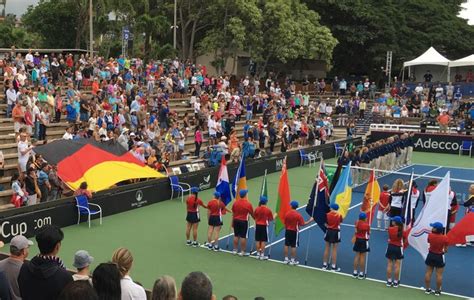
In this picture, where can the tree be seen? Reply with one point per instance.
(290, 31)
(52, 21)
(367, 29)
(11, 35)
(239, 29)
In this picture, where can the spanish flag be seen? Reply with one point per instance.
(342, 193)
(100, 164)
(371, 196)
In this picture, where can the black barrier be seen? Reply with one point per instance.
(429, 142)
(29, 220)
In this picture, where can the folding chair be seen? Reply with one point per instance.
(339, 149)
(179, 187)
(83, 208)
(307, 157)
(466, 146)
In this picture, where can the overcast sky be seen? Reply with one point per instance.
(18, 7)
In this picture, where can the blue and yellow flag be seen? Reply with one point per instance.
(240, 181)
(342, 193)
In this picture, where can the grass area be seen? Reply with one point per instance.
(155, 235)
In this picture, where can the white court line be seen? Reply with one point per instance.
(447, 167)
(346, 274)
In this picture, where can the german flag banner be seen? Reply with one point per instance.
(100, 164)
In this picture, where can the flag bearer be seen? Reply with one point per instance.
(361, 245)
(293, 220)
(435, 259)
(397, 241)
(332, 237)
(263, 215)
(193, 218)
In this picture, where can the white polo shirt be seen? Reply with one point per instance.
(131, 290)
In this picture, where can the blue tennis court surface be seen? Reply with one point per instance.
(459, 270)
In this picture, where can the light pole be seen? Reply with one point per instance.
(91, 32)
(174, 23)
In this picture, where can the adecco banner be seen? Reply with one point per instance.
(29, 220)
(429, 142)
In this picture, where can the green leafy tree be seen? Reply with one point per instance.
(290, 31)
(52, 21)
(367, 29)
(238, 30)
(11, 35)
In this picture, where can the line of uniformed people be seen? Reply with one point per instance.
(385, 154)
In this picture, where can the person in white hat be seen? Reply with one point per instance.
(10, 267)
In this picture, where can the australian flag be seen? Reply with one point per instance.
(318, 205)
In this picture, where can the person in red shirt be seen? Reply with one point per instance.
(240, 216)
(215, 209)
(383, 208)
(361, 245)
(192, 217)
(397, 241)
(263, 215)
(332, 237)
(435, 259)
(293, 220)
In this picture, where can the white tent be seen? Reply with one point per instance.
(430, 57)
(463, 62)
(439, 65)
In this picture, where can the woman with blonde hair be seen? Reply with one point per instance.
(164, 289)
(130, 290)
(397, 198)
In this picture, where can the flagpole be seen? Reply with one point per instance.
(370, 217)
(231, 221)
(410, 183)
(261, 193)
(316, 191)
(271, 241)
(274, 221)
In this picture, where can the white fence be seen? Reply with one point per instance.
(409, 128)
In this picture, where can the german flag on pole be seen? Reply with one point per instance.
(100, 164)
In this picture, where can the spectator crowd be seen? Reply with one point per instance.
(45, 276)
(140, 106)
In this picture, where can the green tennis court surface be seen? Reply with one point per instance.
(155, 235)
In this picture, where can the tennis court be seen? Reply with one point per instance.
(155, 236)
(458, 274)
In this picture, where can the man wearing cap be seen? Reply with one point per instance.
(332, 237)
(45, 276)
(263, 215)
(192, 217)
(438, 242)
(241, 209)
(215, 209)
(293, 220)
(82, 261)
(11, 266)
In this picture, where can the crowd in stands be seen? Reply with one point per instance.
(45, 276)
(434, 103)
(130, 102)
